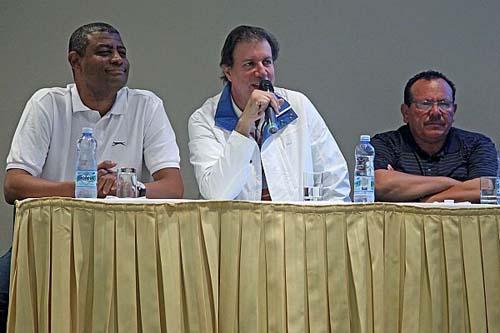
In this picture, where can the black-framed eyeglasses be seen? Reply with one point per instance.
(426, 105)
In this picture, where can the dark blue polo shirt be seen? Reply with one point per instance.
(465, 155)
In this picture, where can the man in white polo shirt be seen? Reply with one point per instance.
(130, 126)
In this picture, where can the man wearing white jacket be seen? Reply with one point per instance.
(234, 155)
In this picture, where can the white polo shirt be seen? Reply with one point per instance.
(134, 133)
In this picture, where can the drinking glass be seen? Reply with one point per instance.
(313, 186)
(488, 190)
(126, 183)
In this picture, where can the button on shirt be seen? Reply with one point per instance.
(464, 156)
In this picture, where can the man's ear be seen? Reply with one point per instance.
(404, 111)
(74, 59)
(227, 72)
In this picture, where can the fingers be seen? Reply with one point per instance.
(106, 178)
(106, 165)
(106, 185)
(102, 172)
(255, 109)
(281, 101)
(258, 103)
(276, 104)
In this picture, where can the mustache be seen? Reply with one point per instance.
(437, 119)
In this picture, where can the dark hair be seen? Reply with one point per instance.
(79, 38)
(246, 33)
(426, 75)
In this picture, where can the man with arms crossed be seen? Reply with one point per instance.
(233, 154)
(130, 126)
(427, 159)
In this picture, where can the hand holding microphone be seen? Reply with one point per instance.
(259, 105)
(270, 117)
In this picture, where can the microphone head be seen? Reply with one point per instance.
(266, 85)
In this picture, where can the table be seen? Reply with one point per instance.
(234, 266)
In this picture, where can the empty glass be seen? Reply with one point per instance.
(488, 190)
(313, 186)
(126, 183)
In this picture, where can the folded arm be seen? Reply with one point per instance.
(393, 185)
(20, 184)
(463, 191)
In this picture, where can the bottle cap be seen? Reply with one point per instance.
(87, 130)
(126, 170)
(364, 138)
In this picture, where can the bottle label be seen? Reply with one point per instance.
(86, 178)
(364, 165)
(364, 184)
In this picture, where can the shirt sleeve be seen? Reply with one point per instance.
(385, 154)
(31, 140)
(221, 167)
(483, 159)
(160, 147)
(326, 155)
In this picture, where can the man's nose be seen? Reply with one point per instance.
(116, 57)
(434, 111)
(261, 71)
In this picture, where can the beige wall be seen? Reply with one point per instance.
(352, 58)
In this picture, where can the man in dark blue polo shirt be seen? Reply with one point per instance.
(427, 159)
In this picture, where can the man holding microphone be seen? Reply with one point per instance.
(234, 153)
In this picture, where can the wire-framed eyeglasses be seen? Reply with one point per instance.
(426, 105)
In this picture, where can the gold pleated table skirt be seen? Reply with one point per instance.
(232, 266)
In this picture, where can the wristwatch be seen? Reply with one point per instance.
(141, 189)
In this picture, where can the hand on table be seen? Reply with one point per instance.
(106, 179)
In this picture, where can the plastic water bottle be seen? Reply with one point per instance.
(364, 173)
(86, 165)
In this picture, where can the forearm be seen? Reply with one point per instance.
(19, 184)
(167, 184)
(399, 186)
(223, 172)
(223, 182)
(463, 191)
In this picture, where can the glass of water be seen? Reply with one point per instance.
(488, 190)
(126, 183)
(313, 186)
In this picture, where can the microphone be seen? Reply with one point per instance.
(270, 117)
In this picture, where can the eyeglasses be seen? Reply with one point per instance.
(426, 105)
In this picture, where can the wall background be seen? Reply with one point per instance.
(351, 58)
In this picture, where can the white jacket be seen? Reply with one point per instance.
(228, 165)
